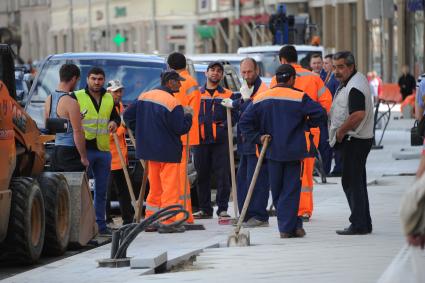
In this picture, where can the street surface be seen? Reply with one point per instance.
(322, 256)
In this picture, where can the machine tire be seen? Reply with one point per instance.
(57, 205)
(25, 238)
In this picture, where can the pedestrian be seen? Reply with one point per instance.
(288, 146)
(332, 84)
(212, 153)
(420, 100)
(69, 152)
(188, 95)
(375, 85)
(117, 183)
(351, 130)
(406, 82)
(257, 215)
(100, 119)
(311, 84)
(316, 63)
(160, 122)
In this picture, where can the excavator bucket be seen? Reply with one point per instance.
(83, 220)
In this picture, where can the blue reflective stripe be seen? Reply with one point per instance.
(321, 91)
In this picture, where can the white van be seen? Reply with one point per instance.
(270, 54)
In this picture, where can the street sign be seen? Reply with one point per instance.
(119, 39)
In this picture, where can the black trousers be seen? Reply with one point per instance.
(354, 154)
(209, 159)
(118, 185)
(66, 159)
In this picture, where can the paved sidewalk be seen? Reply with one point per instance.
(322, 256)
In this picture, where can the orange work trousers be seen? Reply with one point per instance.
(185, 181)
(306, 199)
(164, 182)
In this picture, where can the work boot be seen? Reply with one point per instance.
(286, 235)
(305, 217)
(224, 214)
(202, 215)
(254, 223)
(171, 229)
(105, 232)
(299, 233)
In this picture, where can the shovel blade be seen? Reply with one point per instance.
(242, 239)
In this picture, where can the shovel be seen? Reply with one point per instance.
(238, 238)
(228, 221)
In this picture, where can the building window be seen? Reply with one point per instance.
(55, 44)
(65, 43)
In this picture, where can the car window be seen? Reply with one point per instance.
(201, 78)
(137, 77)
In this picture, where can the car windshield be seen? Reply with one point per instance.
(270, 62)
(136, 76)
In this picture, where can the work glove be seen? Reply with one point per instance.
(246, 91)
(188, 110)
(227, 102)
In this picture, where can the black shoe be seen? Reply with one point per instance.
(106, 232)
(286, 235)
(352, 231)
(335, 174)
(299, 233)
(202, 215)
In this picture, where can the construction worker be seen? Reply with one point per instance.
(316, 64)
(257, 215)
(69, 153)
(160, 122)
(313, 86)
(212, 154)
(188, 95)
(287, 147)
(117, 182)
(100, 119)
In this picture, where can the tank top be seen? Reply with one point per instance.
(64, 139)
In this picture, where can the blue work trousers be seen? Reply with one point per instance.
(325, 149)
(99, 167)
(285, 182)
(209, 159)
(258, 205)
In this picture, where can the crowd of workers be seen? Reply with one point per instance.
(303, 113)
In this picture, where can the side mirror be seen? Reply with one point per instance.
(57, 125)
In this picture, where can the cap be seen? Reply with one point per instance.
(215, 63)
(285, 71)
(171, 75)
(114, 85)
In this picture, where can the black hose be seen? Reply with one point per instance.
(129, 232)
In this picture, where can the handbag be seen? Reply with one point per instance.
(415, 138)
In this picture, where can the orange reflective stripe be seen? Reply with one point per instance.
(214, 130)
(280, 94)
(160, 97)
(202, 131)
(257, 151)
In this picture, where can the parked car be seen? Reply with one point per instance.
(138, 73)
(270, 55)
(234, 60)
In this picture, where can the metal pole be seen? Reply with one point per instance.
(154, 31)
(108, 28)
(237, 30)
(71, 24)
(383, 61)
(90, 28)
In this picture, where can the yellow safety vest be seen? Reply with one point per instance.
(95, 123)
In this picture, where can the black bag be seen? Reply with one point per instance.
(415, 137)
(421, 127)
